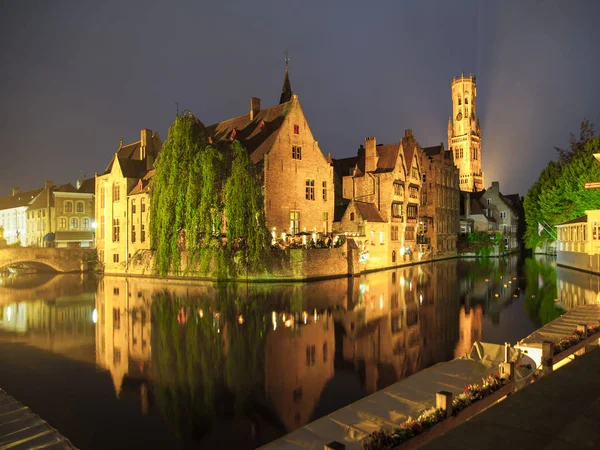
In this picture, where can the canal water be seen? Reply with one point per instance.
(116, 362)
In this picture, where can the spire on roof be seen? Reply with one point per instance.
(286, 90)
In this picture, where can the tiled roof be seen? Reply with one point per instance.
(21, 199)
(132, 168)
(88, 186)
(257, 135)
(387, 155)
(368, 211)
(582, 219)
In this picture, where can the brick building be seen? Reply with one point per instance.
(380, 196)
(297, 176)
(122, 209)
(440, 197)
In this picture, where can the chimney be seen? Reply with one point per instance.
(467, 205)
(408, 132)
(254, 107)
(370, 154)
(496, 185)
(48, 184)
(145, 140)
(15, 191)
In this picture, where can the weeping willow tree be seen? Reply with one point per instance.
(196, 187)
(170, 208)
(246, 229)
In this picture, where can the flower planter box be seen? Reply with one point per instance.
(452, 422)
(575, 348)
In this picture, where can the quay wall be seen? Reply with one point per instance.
(581, 261)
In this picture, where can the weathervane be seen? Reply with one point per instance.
(287, 60)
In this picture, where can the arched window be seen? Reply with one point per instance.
(459, 101)
(80, 207)
(351, 216)
(74, 223)
(133, 206)
(143, 205)
(466, 100)
(62, 223)
(85, 223)
(69, 207)
(394, 260)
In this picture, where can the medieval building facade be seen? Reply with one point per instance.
(122, 208)
(297, 177)
(464, 133)
(440, 198)
(380, 191)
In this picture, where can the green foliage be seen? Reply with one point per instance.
(541, 292)
(196, 187)
(246, 229)
(559, 194)
(484, 244)
(169, 209)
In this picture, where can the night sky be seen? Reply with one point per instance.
(77, 76)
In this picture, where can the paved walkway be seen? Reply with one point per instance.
(21, 429)
(559, 411)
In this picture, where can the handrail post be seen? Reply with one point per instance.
(582, 329)
(443, 401)
(507, 370)
(547, 357)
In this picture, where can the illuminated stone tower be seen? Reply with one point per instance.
(464, 133)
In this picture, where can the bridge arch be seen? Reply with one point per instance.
(57, 259)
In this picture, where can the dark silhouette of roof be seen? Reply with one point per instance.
(286, 90)
(344, 167)
(20, 199)
(88, 186)
(434, 151)
(339, 212)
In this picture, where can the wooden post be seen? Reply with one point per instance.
(334, 445)
(443, 401)
(507, 370)
(547, 357)
(582, 329)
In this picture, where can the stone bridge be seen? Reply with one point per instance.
(56, 259)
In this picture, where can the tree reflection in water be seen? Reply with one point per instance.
(541, 291)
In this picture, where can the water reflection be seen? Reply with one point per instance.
(235, 365)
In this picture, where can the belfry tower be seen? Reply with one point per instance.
(464, 133)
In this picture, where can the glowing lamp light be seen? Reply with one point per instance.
(496, 295)
(240, 319)
(305, 317)
(94, 316)
(315, 315)
(200, 313)
(8, 313)
(283, 236)
(420, 299)
(381, 301)
(274, 320)
(94, 226)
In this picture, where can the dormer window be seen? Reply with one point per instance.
(459, 101)
(296, 129)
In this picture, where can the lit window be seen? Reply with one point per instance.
(310, 190)
(294, 222)
(296, 152)
(74, 223)
(62, 223)
(381, 234)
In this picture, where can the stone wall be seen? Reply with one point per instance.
(296, 264)
(581, 261)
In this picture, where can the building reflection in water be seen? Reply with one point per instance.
(265, 359)
(51, 312)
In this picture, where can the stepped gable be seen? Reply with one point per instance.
(257, 135)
